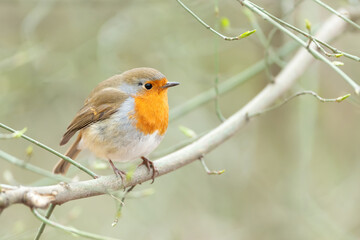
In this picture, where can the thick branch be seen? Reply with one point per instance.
(58, 194)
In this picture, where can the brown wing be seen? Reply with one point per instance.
(98, 106)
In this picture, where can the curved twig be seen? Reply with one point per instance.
(314, 94)
(243, 35)
(275, 21)
(43, 146)
(69, 229)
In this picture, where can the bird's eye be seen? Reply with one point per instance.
(148, 86)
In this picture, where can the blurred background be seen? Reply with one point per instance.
(292, 173)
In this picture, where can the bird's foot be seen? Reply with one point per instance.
(150, 165)
(117, 171)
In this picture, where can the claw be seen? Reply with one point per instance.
(150, 165)
(118, 172)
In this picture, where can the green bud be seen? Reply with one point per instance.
(225, 23)
(187, 132)
(337, 63)
(18, 134)
(308, 24)
(216, 10)
(29, 151)
(246, 34)
(342, 98)
(339, 55)
(217, 172)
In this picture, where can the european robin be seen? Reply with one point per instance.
(124, 118)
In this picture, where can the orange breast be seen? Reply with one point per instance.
(151, 112)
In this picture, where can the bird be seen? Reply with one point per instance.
(124, 118)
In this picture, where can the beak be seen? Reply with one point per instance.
(170, 84)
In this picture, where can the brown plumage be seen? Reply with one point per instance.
(62, 166)
(120, 117)
(98, 106)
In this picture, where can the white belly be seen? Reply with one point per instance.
(142, 147)
(117, 139)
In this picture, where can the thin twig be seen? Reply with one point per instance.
(318, 45)
(121, 204)
(323, 49)
(217, 106)
(335, 50)
(37, 143)
(43, 224)
(217, 66)
(32, 168)
(340, 15)
(261, 12)
(207, 170)
(69, 229)
(270, 54)
(245, 34)
(264, 42)
(338, 99)
(16, 134)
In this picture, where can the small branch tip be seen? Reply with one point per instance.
(357, 90)
(246, 34)
(208, 171)
(340, 99)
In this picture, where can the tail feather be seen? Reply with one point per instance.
(62, 166)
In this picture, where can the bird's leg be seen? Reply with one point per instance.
(117, 171)
(149, 165)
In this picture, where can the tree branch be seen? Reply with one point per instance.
(275, 21)
(32, 168)
(314, 94)
(339, 14)
(41, 197)
(243, 35)
(43, 146)
(266, 15)
(72, 230)
(43, 224)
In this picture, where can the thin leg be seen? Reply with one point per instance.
(149, 165)
(117, 171)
